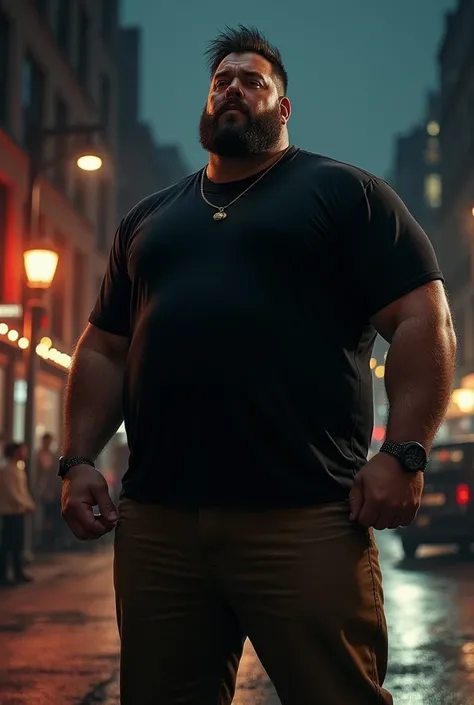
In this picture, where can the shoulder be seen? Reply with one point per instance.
(149, 205)
(346, 186)
(336, 172)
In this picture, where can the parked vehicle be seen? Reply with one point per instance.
(446, 515)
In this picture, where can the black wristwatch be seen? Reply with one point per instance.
(411, 456)
(66, 463)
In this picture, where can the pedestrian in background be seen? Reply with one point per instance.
(49, 492)
(234, 330)
(15, 502)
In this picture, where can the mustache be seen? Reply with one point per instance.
(232, 105)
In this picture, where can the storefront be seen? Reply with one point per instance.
(48, 405)
(49, 388)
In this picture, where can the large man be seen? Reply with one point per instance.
(238, 314)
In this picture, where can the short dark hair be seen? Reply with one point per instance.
(243, 40)
(11, 449)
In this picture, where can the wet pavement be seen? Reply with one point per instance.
(59, 646)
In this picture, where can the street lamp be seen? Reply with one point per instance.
(40, 263)
(40, 267)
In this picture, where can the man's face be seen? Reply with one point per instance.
(244, 114)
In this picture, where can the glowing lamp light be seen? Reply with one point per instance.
(40, 267)
(89, 162)
(23, 343)
(373, 363)
(46, 342)
(472, 212)
(3, 329)
(13, 335)
(380, 371)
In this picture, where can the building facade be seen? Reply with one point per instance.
(456, 72)
(456, 230)
(145, 166)
(416, 171)
(58, 67)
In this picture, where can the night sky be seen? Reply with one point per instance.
(359, 69)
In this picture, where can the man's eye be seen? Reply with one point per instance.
(255, 83)
(219, 84)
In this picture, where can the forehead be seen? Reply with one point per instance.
(233, 63)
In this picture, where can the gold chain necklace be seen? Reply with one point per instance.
(221, 210)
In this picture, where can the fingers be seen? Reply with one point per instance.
(107, 508)
(85, 526)
(382, 516)
(356, 500)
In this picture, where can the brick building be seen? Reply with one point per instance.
(57, 68)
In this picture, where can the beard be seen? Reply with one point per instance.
(233, 138)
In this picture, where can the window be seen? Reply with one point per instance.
(63, 25)
(61, 119)
(432, 128)
(48, 412)
(83, 47)
(4, 198)
(5, 39)
(32, 98)
(102, 215)
(104, 107)
(433, 190)
(57, 309)
(79, 280)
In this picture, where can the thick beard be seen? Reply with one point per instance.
(234, 139)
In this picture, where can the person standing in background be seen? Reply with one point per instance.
(15, 502)
(49, 491)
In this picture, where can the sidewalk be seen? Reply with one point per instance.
(54, 566)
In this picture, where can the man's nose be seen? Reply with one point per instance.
(234, 90)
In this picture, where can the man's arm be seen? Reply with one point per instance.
(93, 408)
(92, 415)
(419, 375)
(419, 368)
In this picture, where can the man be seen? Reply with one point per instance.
(15, 502)
(238, 313)
(48, 492)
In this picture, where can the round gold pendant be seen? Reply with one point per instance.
(220, 215)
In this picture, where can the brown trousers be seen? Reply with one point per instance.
(303, 584)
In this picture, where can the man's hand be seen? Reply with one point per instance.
(84, 487)
(384, 495)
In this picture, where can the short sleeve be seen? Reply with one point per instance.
(388, 252)
(111, 312)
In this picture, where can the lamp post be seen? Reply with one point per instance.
(40, 261)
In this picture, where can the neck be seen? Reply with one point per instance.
(223, 169)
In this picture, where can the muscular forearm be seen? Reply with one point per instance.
(93, 410)
(418, 378)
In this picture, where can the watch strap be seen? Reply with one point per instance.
(392, 448)
(66, 464)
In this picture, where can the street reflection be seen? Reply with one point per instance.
(430, 613)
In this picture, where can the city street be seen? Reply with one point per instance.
(59, 644)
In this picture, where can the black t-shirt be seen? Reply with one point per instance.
(248, 379)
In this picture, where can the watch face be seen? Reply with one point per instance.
(414, 456)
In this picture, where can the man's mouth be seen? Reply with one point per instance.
(232, 106)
